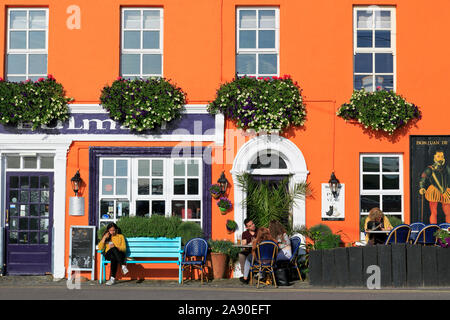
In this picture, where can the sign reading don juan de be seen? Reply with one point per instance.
(430, 179)
(100, 123)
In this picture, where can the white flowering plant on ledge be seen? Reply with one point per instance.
(268, 104)
(379, 110)
(143, 104)
(38, 103)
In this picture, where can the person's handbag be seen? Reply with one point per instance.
(282, 276)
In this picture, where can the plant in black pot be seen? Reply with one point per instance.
(231, 226)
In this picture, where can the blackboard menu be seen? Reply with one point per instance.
(82, 246)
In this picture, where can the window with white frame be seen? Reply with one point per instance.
(141, 45)
(374, 38)
(27, 44)
(257, 41)
(381, 184)
(147, 186)
(31, 162)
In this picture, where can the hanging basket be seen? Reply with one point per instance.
(223, 210)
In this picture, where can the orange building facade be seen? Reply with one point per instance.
(328, 47)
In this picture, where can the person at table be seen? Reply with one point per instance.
(376, 221)
(247, 238)
(278, 233)
(263, 234)
(114, 247)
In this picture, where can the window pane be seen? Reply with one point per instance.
(13, 162)
(371, 182)
(24, 182)
(34, 182)
(123, 208)
(16, 63)
(391, 164)
(382, 39)
(121, 186)
(142, 208)
(384, 63)
(194, 209)
(47, 162)
(371, 164)
(246, 63)
(178, 186)
(107, 186)
(151, 19)
(132, 39)
(266, 39)
(37, 63)
(247, 39)
(18, 40)
(391, 181)
(107, 209)
(364, 19)
(178, 208)
(152, 64)
(16, 79)
(267, 18)
(18, 20)
(157, 186)
(45, 183)
(178, 168)
(36, 40)
(392, 203)
(30, 162)
(267, 64)
(364, 38)
(143, 167)
(143, 186)
(363, 63)
(382, 19)
(122, 168)
(37, 20)
(192, 168)
(192, 186)
(369, 202)
(108, 168)
(151, 40)
(159, 207)
(157, 168)
(247, 18)
(131, 64)
(385, 82)
(132, 19)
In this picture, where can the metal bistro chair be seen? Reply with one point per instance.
(400, 234)
(264, 260)
(196, 247)
(295, 244)
(415, 229)
(426, 235)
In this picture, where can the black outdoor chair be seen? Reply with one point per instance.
(415, 229)
(426, 235)
(264, 260)
(400, 234)
(196, 247)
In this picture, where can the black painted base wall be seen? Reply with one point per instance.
(399, 265)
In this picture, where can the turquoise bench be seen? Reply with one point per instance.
(160, 248)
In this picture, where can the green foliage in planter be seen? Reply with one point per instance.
(321, 237)
(40, 103)
(231, 225)
(143, 104)
(156, 226)
(225, 247)
(379, 110)
(269, 104)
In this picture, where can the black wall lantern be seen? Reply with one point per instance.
(223, 183)
(334, 185)
(76, 182)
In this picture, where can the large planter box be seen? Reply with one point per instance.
(399, 266)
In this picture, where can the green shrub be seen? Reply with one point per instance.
(226, 247)
(188, 230)
(394, 221)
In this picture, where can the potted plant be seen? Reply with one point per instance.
(231, 226)
(214, 190)
(221, 252)
(224, 204)
(443, 238)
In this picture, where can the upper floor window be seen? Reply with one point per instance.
(27, 44)
(374, 48)
(257, 46)
(141, 45)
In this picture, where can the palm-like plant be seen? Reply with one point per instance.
(264, 202)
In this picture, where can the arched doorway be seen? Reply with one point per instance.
(269, 157)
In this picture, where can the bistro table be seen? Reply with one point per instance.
(378, 231)
(243, 246)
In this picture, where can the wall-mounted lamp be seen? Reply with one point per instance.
(223, 183)
(76, 182)
(334, 185)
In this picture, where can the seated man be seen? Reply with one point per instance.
(247, 238)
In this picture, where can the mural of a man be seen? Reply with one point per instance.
(435, 185)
